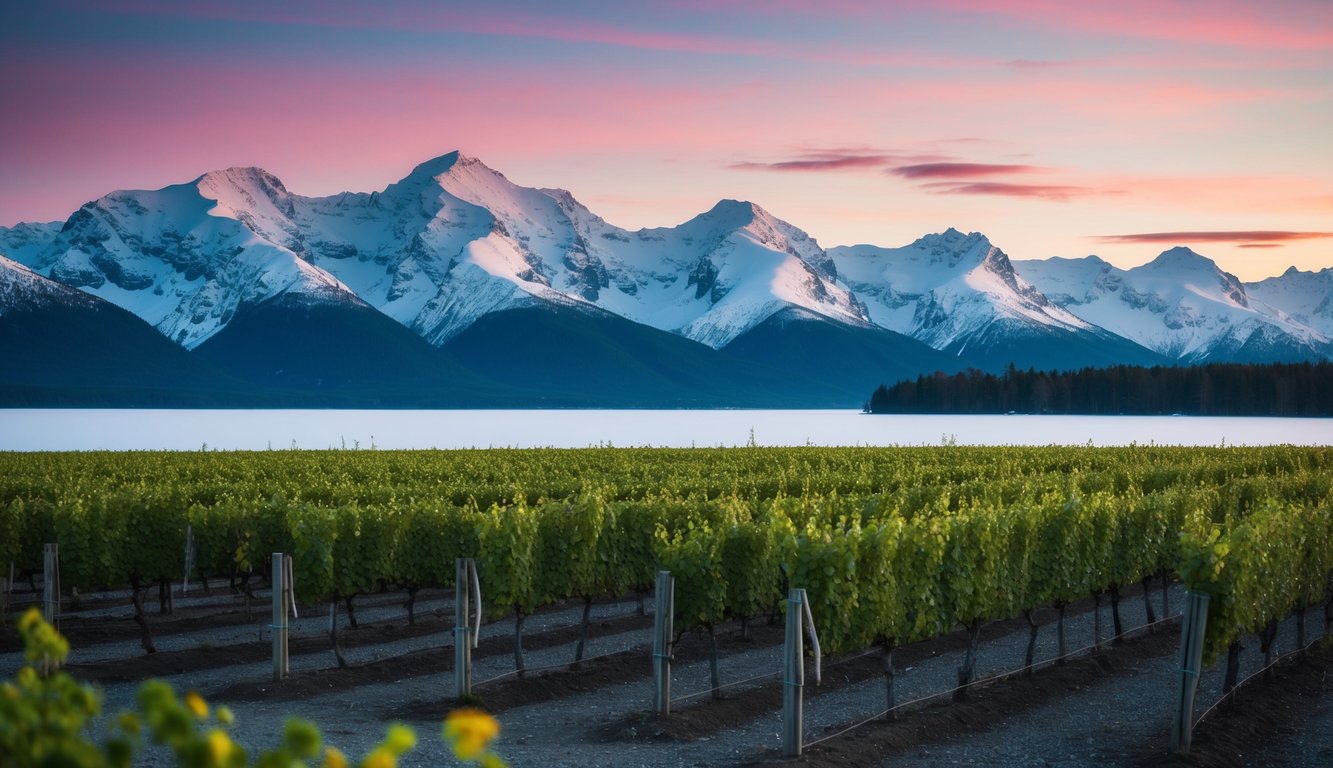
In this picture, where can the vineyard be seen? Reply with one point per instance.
(894, 548)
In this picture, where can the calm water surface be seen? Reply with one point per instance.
(118, 429)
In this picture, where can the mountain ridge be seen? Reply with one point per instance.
(1183, 306)
(454, 242)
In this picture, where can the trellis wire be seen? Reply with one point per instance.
(1232, 692)
(731, 684)
(566, 664)
(979, 681)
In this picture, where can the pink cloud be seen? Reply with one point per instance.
(1248, 238)
(838, 159)
(959, 170)
(1052, 192)
(844, 162)
(896, 156)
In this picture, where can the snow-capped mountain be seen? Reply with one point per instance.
(449, 243)
(959, 293)
(25, 241)
(455, 240)
(21, 289)
(1180, 305)
(187, 257)
(945, 288)
(61, 346)
(722, 273)
(1303, 297)
(456, 285)
(431, 259)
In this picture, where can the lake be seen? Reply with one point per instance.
(121, 429)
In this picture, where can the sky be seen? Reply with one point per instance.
(1057, 128)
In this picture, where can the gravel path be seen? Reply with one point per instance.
(1119, 718)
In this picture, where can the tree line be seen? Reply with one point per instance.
(1220, 389)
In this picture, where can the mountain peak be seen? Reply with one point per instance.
(741, 212)
(449, 162)
(953, 248)
(435, 166)
(728, 216)
(1183, 257)
(246, 192)
(245, 177)
(950, 238)
(456, 173)
(1092, 260)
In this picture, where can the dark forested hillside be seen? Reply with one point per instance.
(1299, 389)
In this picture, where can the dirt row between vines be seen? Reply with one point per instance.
(1100, 708)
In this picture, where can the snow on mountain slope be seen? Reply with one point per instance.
(185, 257)
(709, 279)
(720, 274)
(455, 240)
(62, 347)
(450, 242)
(1180, 305)
(1070, 281)
(1303, 297)
(25, 241)
(21, 288)
(947, 288)
(429, 259)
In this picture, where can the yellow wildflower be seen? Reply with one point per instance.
(219, 746)
(334, 759)
(470, 731)
(399, 739)
(196, 704)
(380, 758)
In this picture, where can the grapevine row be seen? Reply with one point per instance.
(893, 546)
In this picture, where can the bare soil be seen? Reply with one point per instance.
(1103, 707)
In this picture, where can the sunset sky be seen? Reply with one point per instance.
(1058, 128)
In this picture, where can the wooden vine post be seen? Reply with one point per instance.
(467, 592)
(1191, 662)
(51, 584)
(189, 559)
(664, 609)
(793, 670)
(50, 593)
(6, 587)
(283, 599)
